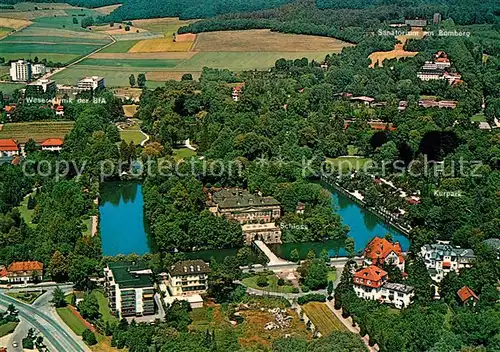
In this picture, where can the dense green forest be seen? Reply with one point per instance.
(315, 12)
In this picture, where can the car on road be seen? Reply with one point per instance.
(14, 344)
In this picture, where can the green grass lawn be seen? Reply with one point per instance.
(332, 274)
(145, 63)
(183, 153)
(8, 328)
(26, 213)
(104, 307)
(8, 88)
(273, 284)
(26, 296)
(88, 226)
(70, 319)
(478, 117)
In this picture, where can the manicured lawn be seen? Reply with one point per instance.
(183, 153)
(332, 275)
(104, 307)
(70, 319)
(478, 117)
(26, 296)
(130, 110)
(26, 214)
(88, 226)
(8, 328)
(323, 318)
(273, 284)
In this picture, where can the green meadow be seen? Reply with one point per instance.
(144, 63)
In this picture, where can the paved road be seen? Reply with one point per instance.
(55, 332)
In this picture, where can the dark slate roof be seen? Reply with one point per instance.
(131, 274)
(237, 198)
(189, 267)
(398, 287)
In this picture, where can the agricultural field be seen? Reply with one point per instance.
(54, 37)
(39, 131)
(265, 40)
(323, 318)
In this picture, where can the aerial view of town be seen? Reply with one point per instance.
(250, 176)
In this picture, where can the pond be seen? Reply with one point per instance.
(122, 225)
(364, 226)
(123, 229)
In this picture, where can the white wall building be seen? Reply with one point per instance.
(93, 82)
(20, 71)
(39, 69)
(45, 84)
(441, 258)
(130, 289)
(187, 278)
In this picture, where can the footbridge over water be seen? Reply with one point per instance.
(274, 260)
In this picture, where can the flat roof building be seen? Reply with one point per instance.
(93, 83)
(130, 289)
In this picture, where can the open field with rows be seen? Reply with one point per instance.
(323, 318)
(53, 35)
(39, 131)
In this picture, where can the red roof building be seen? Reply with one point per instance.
(466, 295)
(52, 144)
(8, 148)
(371, 276)
(23, 272)
(380, 251)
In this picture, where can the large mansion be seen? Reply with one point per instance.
(441, 258)
(380, 251)
(255, 213)
(245, 207)
(372, 283)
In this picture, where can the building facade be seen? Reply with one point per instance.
(20, 71)
(268, 233)
(52, 144)
(45, 85)
(244, 207)
(371, 283)
(441, 258)
(8, 148)
(91, 83)
(39, 69)
(24, 272)
(188, 278)
(380, 251)
(129, 288)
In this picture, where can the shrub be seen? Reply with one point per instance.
(312, 297)
(295, 290)
(281, 282)
(262, 281)
(304, 288)
(89, 337)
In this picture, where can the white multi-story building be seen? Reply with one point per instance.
(130, 289)
(371, 283)
(441, 258)
(20, 71)
(187, 278)
(39, 69)
(93, 82)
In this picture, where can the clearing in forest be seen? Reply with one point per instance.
(378, 57)
(265, 40)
